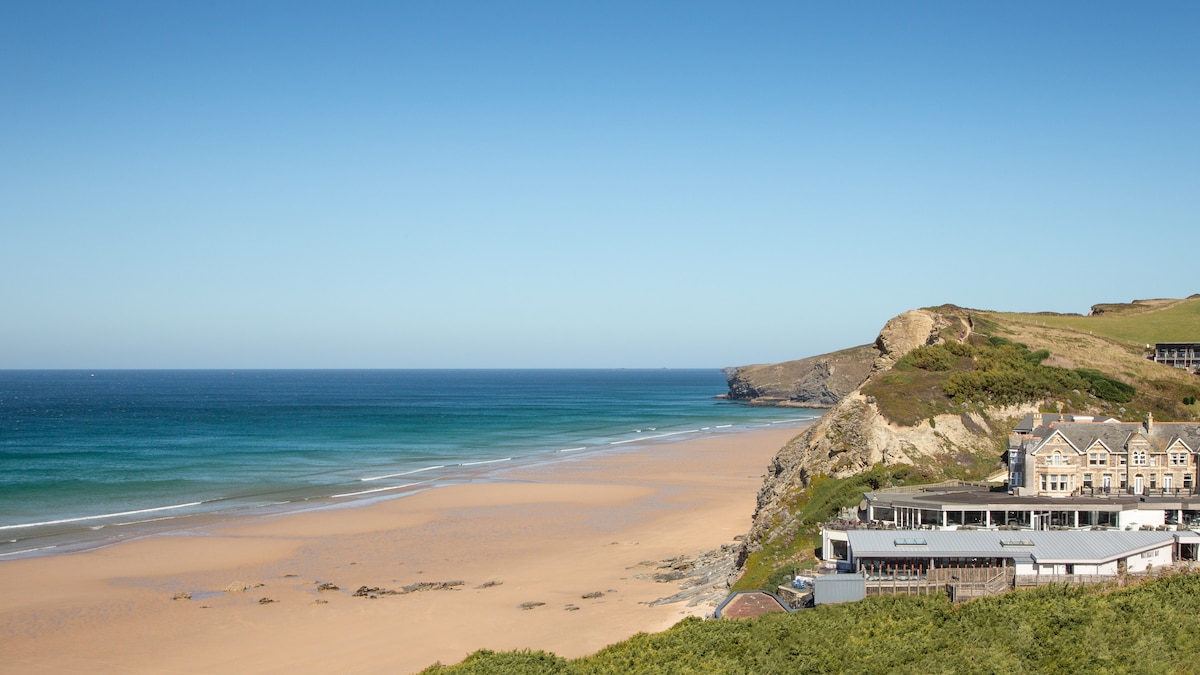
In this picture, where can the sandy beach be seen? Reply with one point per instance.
(595, 525)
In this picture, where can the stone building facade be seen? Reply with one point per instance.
(1064, 455)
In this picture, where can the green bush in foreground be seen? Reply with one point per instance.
(1150, 628)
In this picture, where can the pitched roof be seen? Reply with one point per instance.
(1116, 436)
(1026, 425)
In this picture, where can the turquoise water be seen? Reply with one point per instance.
(86, 457)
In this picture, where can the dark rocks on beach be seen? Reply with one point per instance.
(375, 591)
(183, 595)
(530, 605)
(265, 601)
(327, 587)
(593, 595)
(431, 586)
(703, 578)
(489, 584)
(669, 576)
(571, 608)
(678, 563)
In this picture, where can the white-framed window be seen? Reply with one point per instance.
(1098, 458)
(1087, 480)
(1139, 458)
(1056, 459)
(1178, 459)
(1058, 482)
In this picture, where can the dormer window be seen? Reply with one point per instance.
(1098, 458)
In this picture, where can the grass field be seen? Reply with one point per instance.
(1178, 321)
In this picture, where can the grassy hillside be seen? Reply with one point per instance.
(1152, 628)
(1008, 360)
(1075, 364)
(1138, 324)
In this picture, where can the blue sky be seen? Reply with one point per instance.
(576, 184)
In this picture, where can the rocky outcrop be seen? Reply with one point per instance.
(822, 381)
(815, 382)
(912, 329)
(853, 435)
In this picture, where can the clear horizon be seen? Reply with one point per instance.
(586, 185)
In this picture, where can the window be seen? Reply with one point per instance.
(1056, 460)
(1087, 480)
(1187, 481)
(1043, 482)
(1139, 458)
(1098, 458)
(1178, 459)
(1121, 460)
(1124, 482)
(1153, 480)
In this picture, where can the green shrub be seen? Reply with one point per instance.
(1105, 387)
(934, 358)
(1151, 627)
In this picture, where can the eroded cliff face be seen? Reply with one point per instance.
(815, 382)
(853, 436)
(822, 381)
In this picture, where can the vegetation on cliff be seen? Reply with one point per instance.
(985, 371)
(796, 535)
(1151, 627)
(945, 393)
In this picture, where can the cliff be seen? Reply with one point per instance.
(855, 435)
(815, 382)
(947, 384)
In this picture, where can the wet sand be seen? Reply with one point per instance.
(549, 533)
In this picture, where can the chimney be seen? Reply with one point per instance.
(1149, 423)
(1037, 420)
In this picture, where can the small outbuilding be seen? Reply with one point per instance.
(831, 589)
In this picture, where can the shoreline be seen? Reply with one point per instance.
(82, 533)
(583, 534)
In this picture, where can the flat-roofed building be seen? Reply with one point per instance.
(972, 563)
(1178, 354)
(979, 507)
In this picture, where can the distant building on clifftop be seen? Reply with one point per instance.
(1178, 354)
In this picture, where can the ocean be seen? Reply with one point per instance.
(88, 458)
